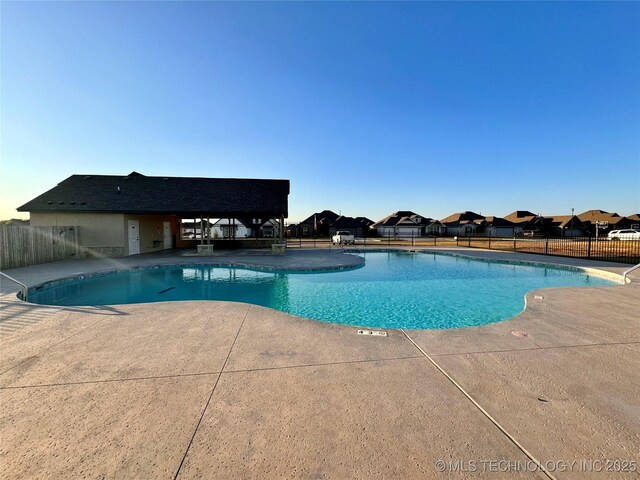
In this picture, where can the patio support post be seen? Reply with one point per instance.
(281, 227)
(208, 231)
(201, 231)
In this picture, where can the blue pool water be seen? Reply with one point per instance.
(392, 290)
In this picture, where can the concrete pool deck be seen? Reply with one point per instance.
(230, 390)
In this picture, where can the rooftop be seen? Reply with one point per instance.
(186, 196)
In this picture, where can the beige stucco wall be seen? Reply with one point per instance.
(151, 233)
(105, 234)
(98, 233)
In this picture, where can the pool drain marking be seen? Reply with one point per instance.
(378, 333)
(165, 290)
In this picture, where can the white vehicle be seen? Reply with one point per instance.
(343, 238)
(624, 235)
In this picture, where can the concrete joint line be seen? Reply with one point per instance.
(109, 380)
(484, 412)
(54, 345)
(329, 364)
(204, 410)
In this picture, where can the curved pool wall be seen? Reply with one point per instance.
(394, 289)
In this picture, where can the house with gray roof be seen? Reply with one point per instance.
(402, 224)
(358, 226)
(500, 227)
(121, 215)
(317, 224)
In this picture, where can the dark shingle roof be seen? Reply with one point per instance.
(365, 221)
(136, 193)
(462, 216)
(350, 222)
(401, 216)
(498, 222)
(520, 216)
(564, 221)
(326, 215)
(593, 216)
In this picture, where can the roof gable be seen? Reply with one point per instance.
(402, 216)
(467, 216)
(326, 215)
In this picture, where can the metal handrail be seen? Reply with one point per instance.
(353, 247)
(25, 289)
(624, 274)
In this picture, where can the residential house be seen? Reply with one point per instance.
(548, 226)
(526, 221)
(125, 215)
(436, 228)
(317, 224)
(464, 223)
(403, 224)
(500, 227)
(358, 226)
(606, 221)
(230, 228)
(564, 226)
(269, 229)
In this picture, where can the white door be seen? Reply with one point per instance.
(166, 234)
(134, 236)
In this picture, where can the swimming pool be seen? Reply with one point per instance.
(392, 289)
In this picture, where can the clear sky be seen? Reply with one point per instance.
(367, 108)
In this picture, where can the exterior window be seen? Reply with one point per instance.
(229, 231)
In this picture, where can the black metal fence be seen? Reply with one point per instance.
(387, 241)
(619, 251)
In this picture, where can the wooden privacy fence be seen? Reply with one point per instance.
(23, 246)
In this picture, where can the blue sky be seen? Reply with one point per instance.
(367, 108)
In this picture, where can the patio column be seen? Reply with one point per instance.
(281, 227)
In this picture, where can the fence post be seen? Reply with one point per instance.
(589, 247)
(412, 239)
(514, 243)
(469, 237)
(489, 240)
(435, 241)
(388, 239)
(546, 246)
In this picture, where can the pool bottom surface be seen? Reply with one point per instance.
(393, 289)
